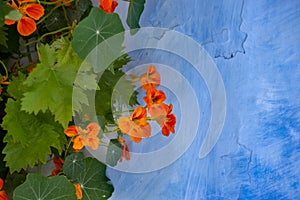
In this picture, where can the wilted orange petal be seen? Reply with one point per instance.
(93, 128)
(71, 131)
(78, 191)
(35, 11)
(26, 26)
(9, 21)
(77, 143)
(124, 124)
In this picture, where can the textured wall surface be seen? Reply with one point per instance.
(256, 47)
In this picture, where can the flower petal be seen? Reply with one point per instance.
(71, 131)
(137, 132)
(154, 96)
(108, 6)
(158, 111)
(26, 26)
(77, 143)
(151, 78)
(93, 128)
(139, 116)
(124, 124)
(9, 21)
(35, 11)
(1, 183)
(91, 141)
(3, 195)
(78, 190)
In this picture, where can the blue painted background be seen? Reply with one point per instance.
(256, 46)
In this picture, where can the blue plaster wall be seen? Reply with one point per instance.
(256, 46)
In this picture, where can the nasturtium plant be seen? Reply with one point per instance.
(61, 65)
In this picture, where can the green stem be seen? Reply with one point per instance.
(49, 3)
(112, 131)
(125, 111)
(4, 67)
(46, 34)
(66, 16)
(68, 147)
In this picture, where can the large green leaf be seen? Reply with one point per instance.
(135, 10)
(91, 175)
(93, 30)
(51, 83)
(37, 187)
(29, 137)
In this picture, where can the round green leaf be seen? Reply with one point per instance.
(74, 164)
(90, 174)
(37, 187)
(94, 29)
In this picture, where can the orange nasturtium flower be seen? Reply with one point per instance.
(154, 96)
(87, 137)
(108, 6)
(136, 125)
(30, 12)
(78, 190)
(3, 195)
(150, 78)
(167, 122)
